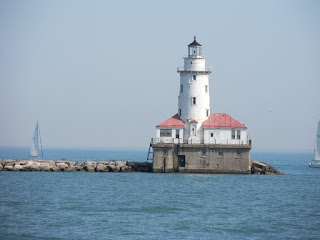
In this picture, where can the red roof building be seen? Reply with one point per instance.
(173, 122)
(222, 120)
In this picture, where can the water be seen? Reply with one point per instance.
(80, 205)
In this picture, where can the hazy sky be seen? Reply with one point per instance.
(103, 73)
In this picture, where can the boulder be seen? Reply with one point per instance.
(17, 167)
(140, 166)
(263, 168)
(62, 166)
(34, 165)
(102, 167)
(79, 166)
(7, 167)
(1, 167)
(113, 168)
(121, 163)
(89, 166)
(47, 166)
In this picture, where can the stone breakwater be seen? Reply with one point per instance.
(102, 166)
(73, 166)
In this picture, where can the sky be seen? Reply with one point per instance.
(103, 74)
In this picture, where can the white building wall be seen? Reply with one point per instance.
(223, 136)
(172, 138)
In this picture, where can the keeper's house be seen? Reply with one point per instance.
(195, 140)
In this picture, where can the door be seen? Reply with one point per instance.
(181, 160)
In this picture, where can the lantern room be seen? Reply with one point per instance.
(194, 49)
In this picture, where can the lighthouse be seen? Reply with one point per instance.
(194, 96)
(194, 139)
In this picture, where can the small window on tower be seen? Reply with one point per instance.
(211, 134)
(206, 88)
(194, 100)
(207, 111)
(180, 112)
(194, 77)
(181, 88)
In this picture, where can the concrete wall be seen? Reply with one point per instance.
(164, 157)
(202, 158)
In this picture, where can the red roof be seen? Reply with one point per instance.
(193, 121)
(173, 122)
(222, 120)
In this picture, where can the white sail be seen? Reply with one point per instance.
(316, 153)
(36, 146)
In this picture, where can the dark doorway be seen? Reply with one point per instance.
(181, 160)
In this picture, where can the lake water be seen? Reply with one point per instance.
(84, 205)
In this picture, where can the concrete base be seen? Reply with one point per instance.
(201, 158)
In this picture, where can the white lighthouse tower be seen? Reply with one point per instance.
(194, 97)
(195, 140)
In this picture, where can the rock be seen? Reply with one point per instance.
(126, 169)
(48, 165)
(79, 166)
(121, 163)
(17, 167)
(35, 166)
(89, 166)
(8, 167)
(1, 167)
(263, 168)
(62, 166)
(113, 168)
(140, 166)
(102, 167)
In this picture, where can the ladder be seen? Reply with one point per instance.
(150, 151)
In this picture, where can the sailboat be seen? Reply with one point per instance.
(36, 147)
(316, 152)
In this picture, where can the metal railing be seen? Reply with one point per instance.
(182, 69)
(211, 141)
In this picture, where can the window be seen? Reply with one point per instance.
(238, 135)
(207, 112)
(193, 131)
(203, 152)
(181, 88)
(194, 77)
(165, 132)
(220, 153)
(206, 88)
(238, 154)
(194, 100)
(211, 134)
(177, 133)
(233, 134)
(180, 112)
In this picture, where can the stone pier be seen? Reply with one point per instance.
(73, 166)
